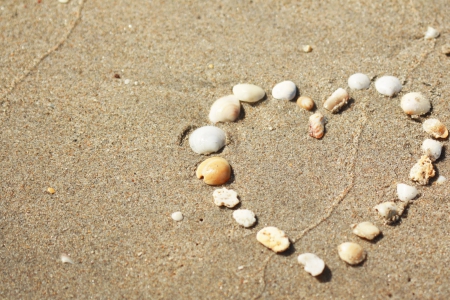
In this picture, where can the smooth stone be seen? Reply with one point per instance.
(358, 81)
(285, 90)
(388, 85)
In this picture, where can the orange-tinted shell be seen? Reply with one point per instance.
(214, 171)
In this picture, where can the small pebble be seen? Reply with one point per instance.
(388, 85)
(127, 81)
(63, 1)
(273, 238)
(240, 267)
(446, 49)
(305, 103)
(351, 253)
(432, 149)
(248, 92)
(313, 264)
(366, 230)
(435, 128)
(51, 190)
(177, 216)
(225, 197)
(307, 48)
(441, 179)
(406, 192)
(66, 259)
(244, 217)
(358, 81)
(415, 104)
(285, 90)
(431, 33)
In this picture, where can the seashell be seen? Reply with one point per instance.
(207, 139)
(432, 149)
(66, 259)
(351, 253)
(305, 103)
(244, 217)
(214, 171)
(358, 81)
(225, 197)
(273, 238)
(431, 33)
(316, 125)
(406, 192)
(285, 90)
(313, 264)
(307, 48)
(441, 179)
(435, 128)
(338, 99)
(248, 92)
(225, 109)
(415, 104)
(387, 210)
(365, 230)
(177, 216)
(388, 85)
(422, 171)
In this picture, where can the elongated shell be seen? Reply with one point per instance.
(435, 128)
(366, 230)
(225, 109)
(214, 171)
(207, 139)
(415, 104)
(351, 253)
(422, 171)
(338, 99)
(305, 103)
(273, 238)
(248, 92)
(316, 125)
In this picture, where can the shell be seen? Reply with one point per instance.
(313, 264)
(305, 103)
(177, 216)
(441, 179)
(388, 85)
(248, 92)
(285, 90)
(214, 171)
(316, 125)
(225, 197)
(225, 109)
(273, 238)
(415, 104)
(66, 259)
(244, 217)
(366, 230)
(338, 99)
(207, 139)
(431, 33)
(351, 253)
(387, 210)
(307, 48)
(422, 171)
(358, 81)
(435, 128)
(432, 149)
(406, 192)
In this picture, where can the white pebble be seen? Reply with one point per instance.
(388, 85)
(127, 81)
(432, 149)
(177, 216)
(285, 90)
(358, 81)
(365, 230)
(248, 92)
(66, 259)
(441, 179)
(225, 109)
(244, 217)
(406, 192)
(313, 264)
(225, 197)
(207, 139)
(415, 104)
(273, 238)
(307, 48)
(431, 33)
(63, 1)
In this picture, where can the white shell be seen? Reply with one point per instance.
(351, 253)
(207, 139)
(273, 238)
(177, 216)
(358, 81)
(435, 128)
(244, 217)
(422, 171)
(432, 149)
(316, 125)
(63, 1)
(366, 230)
(338, 99)
(66, 259)
(441, 179)
(285, 90)
(387, 210)
(388, 85)
(415, 104)
(248, 92)
(431, 33)
(313, 264)
(406, 192)
(225, 197)
(225, 109)
(307, 48)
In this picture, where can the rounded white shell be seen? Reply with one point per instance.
(415, 104)
(225, 109)
(244, 217)
(366, 230)
(177, 216)
(435, 128)
(358, 81)
(207, 139)
(313, 264)
(388, 85)
(273, 238)
(431, 33)
(406, 192)
(248, 92)
(285, 90)
(432, 149)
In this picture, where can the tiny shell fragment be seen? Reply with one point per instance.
(388, 211)
(307, 48)
(431, 33)
(313, 264)
(316, 125)
(305, 103)
(422, 171)
(244, 217)
(225, 197)
(177, 216)
(248, 92)
(406, 192)
(351, 253)
(335, 102)
(432, 149)
(66, 259)
(365, 230)
(51, 190)
(214, 171)
(435, 128)
(273, 238)
(415, 104)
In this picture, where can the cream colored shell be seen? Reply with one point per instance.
(335, 102)
(435, 128)
(248, 92)
(316, 125)
(415, 104)
(225, 109)
(422, 171)
(366, 230)
(214, 171)
(305, 103)
(351, 253)
(225, 197)
(273, 238)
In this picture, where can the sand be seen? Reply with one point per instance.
(116, 153)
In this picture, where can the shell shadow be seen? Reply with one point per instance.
(289, 251)
(377, 238)
(259, 102)
(241, 114)
(325, 276)
(350, 104)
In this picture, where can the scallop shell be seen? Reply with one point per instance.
(422, 171)
(351, 253)
(273, 238)
(305, 103)
(207, 139)
(214, 171)
(388, 85)
(366, 230)
(316, 125)
(248, 92)
(415, 104)
(285, 90)
(432, 149)
(358, 81)
(314, 265)
(225, 109)
(338, 99)
(435, 128)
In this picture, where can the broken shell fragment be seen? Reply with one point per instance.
(225, 109)
(244, 217)
(207, 139)
(285, 90)
(316, 125)
(351, 253)
(313, 264)
(177, 216)
(307, 48)
(248, 92)
(406, 192)
(214, 171)
(365, 230)
(422, 171)
(431, 33)
(415, 104)
(225, 197)
(338, 99)
(305, 103)
(435, 128)
(358, 81)
(273, 238)
(432, 149)
(388, 85)
(66, 259)
(388, 211)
